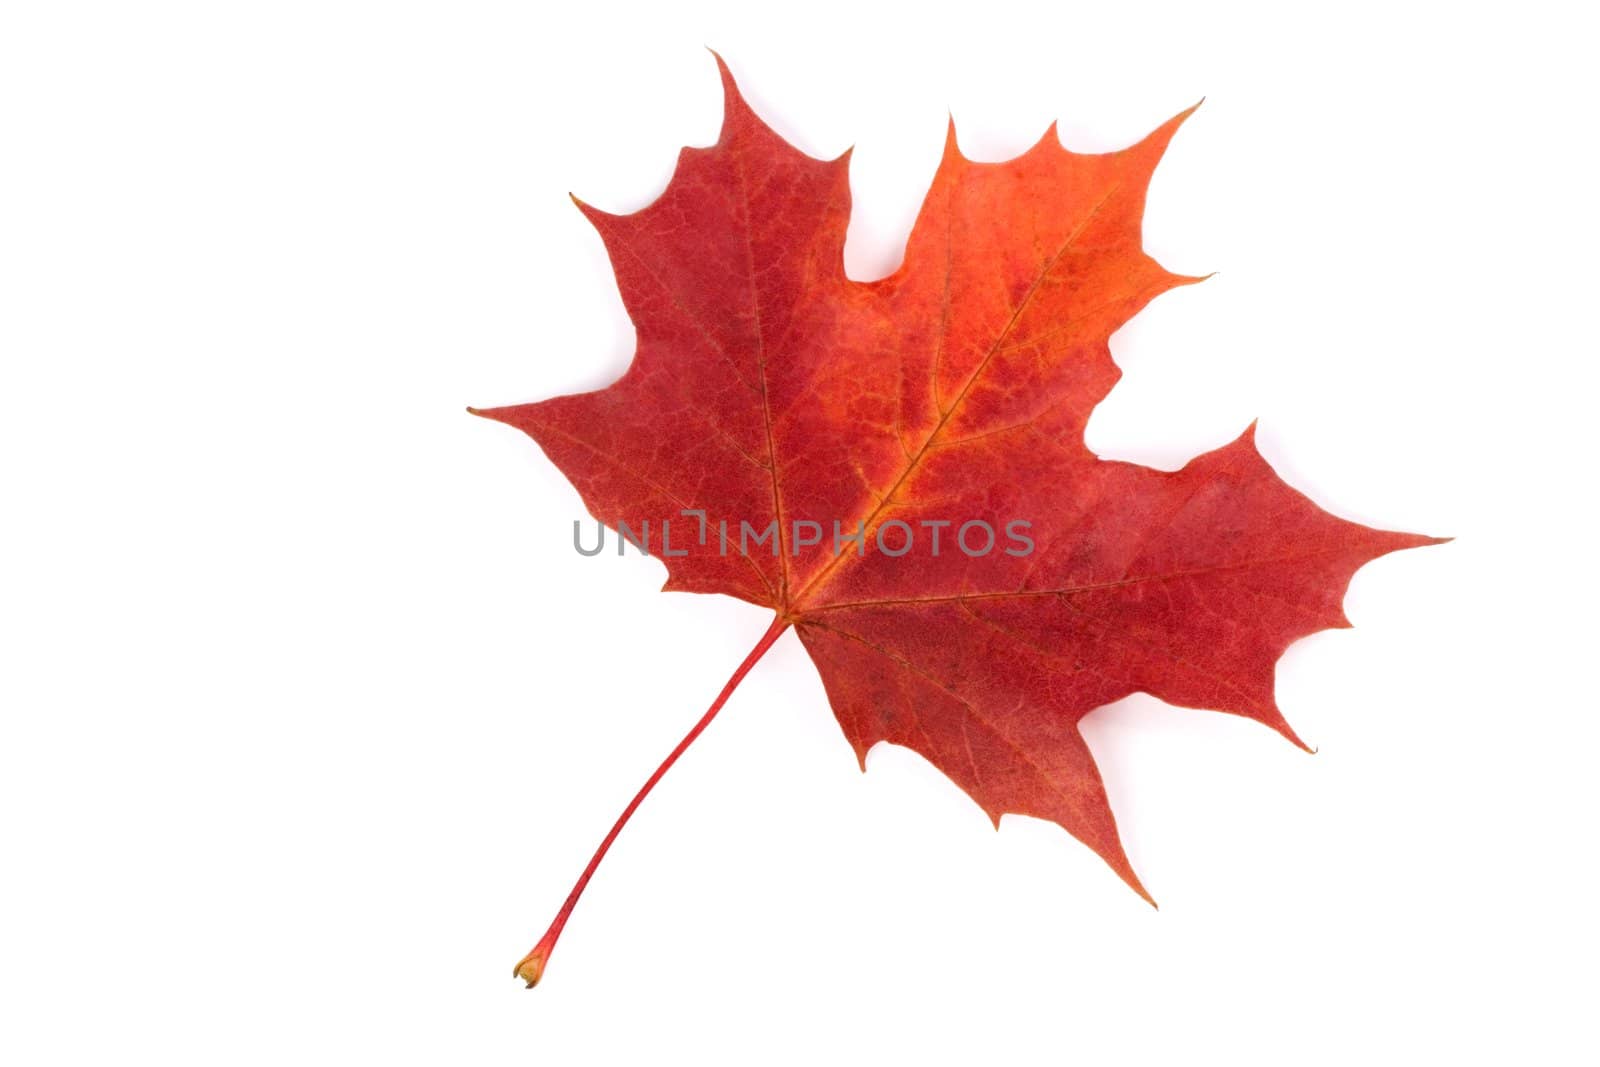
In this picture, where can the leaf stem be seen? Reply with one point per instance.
(531, 967)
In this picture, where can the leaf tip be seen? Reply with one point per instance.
(1287, 731)
(1269, 715)
(733, 103)
(1154, 146)
(492, 414)
(1117, 859)
(1399, 542)
(952, 150)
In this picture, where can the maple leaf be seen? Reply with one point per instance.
(771, 393)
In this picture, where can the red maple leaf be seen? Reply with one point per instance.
(931, 414)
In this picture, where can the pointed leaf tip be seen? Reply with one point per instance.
(733, 102)
(1138, 887)
(588, 210)
(952, 150)
(1158, 138)
(1288, 731)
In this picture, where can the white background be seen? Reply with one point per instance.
(311, 713)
